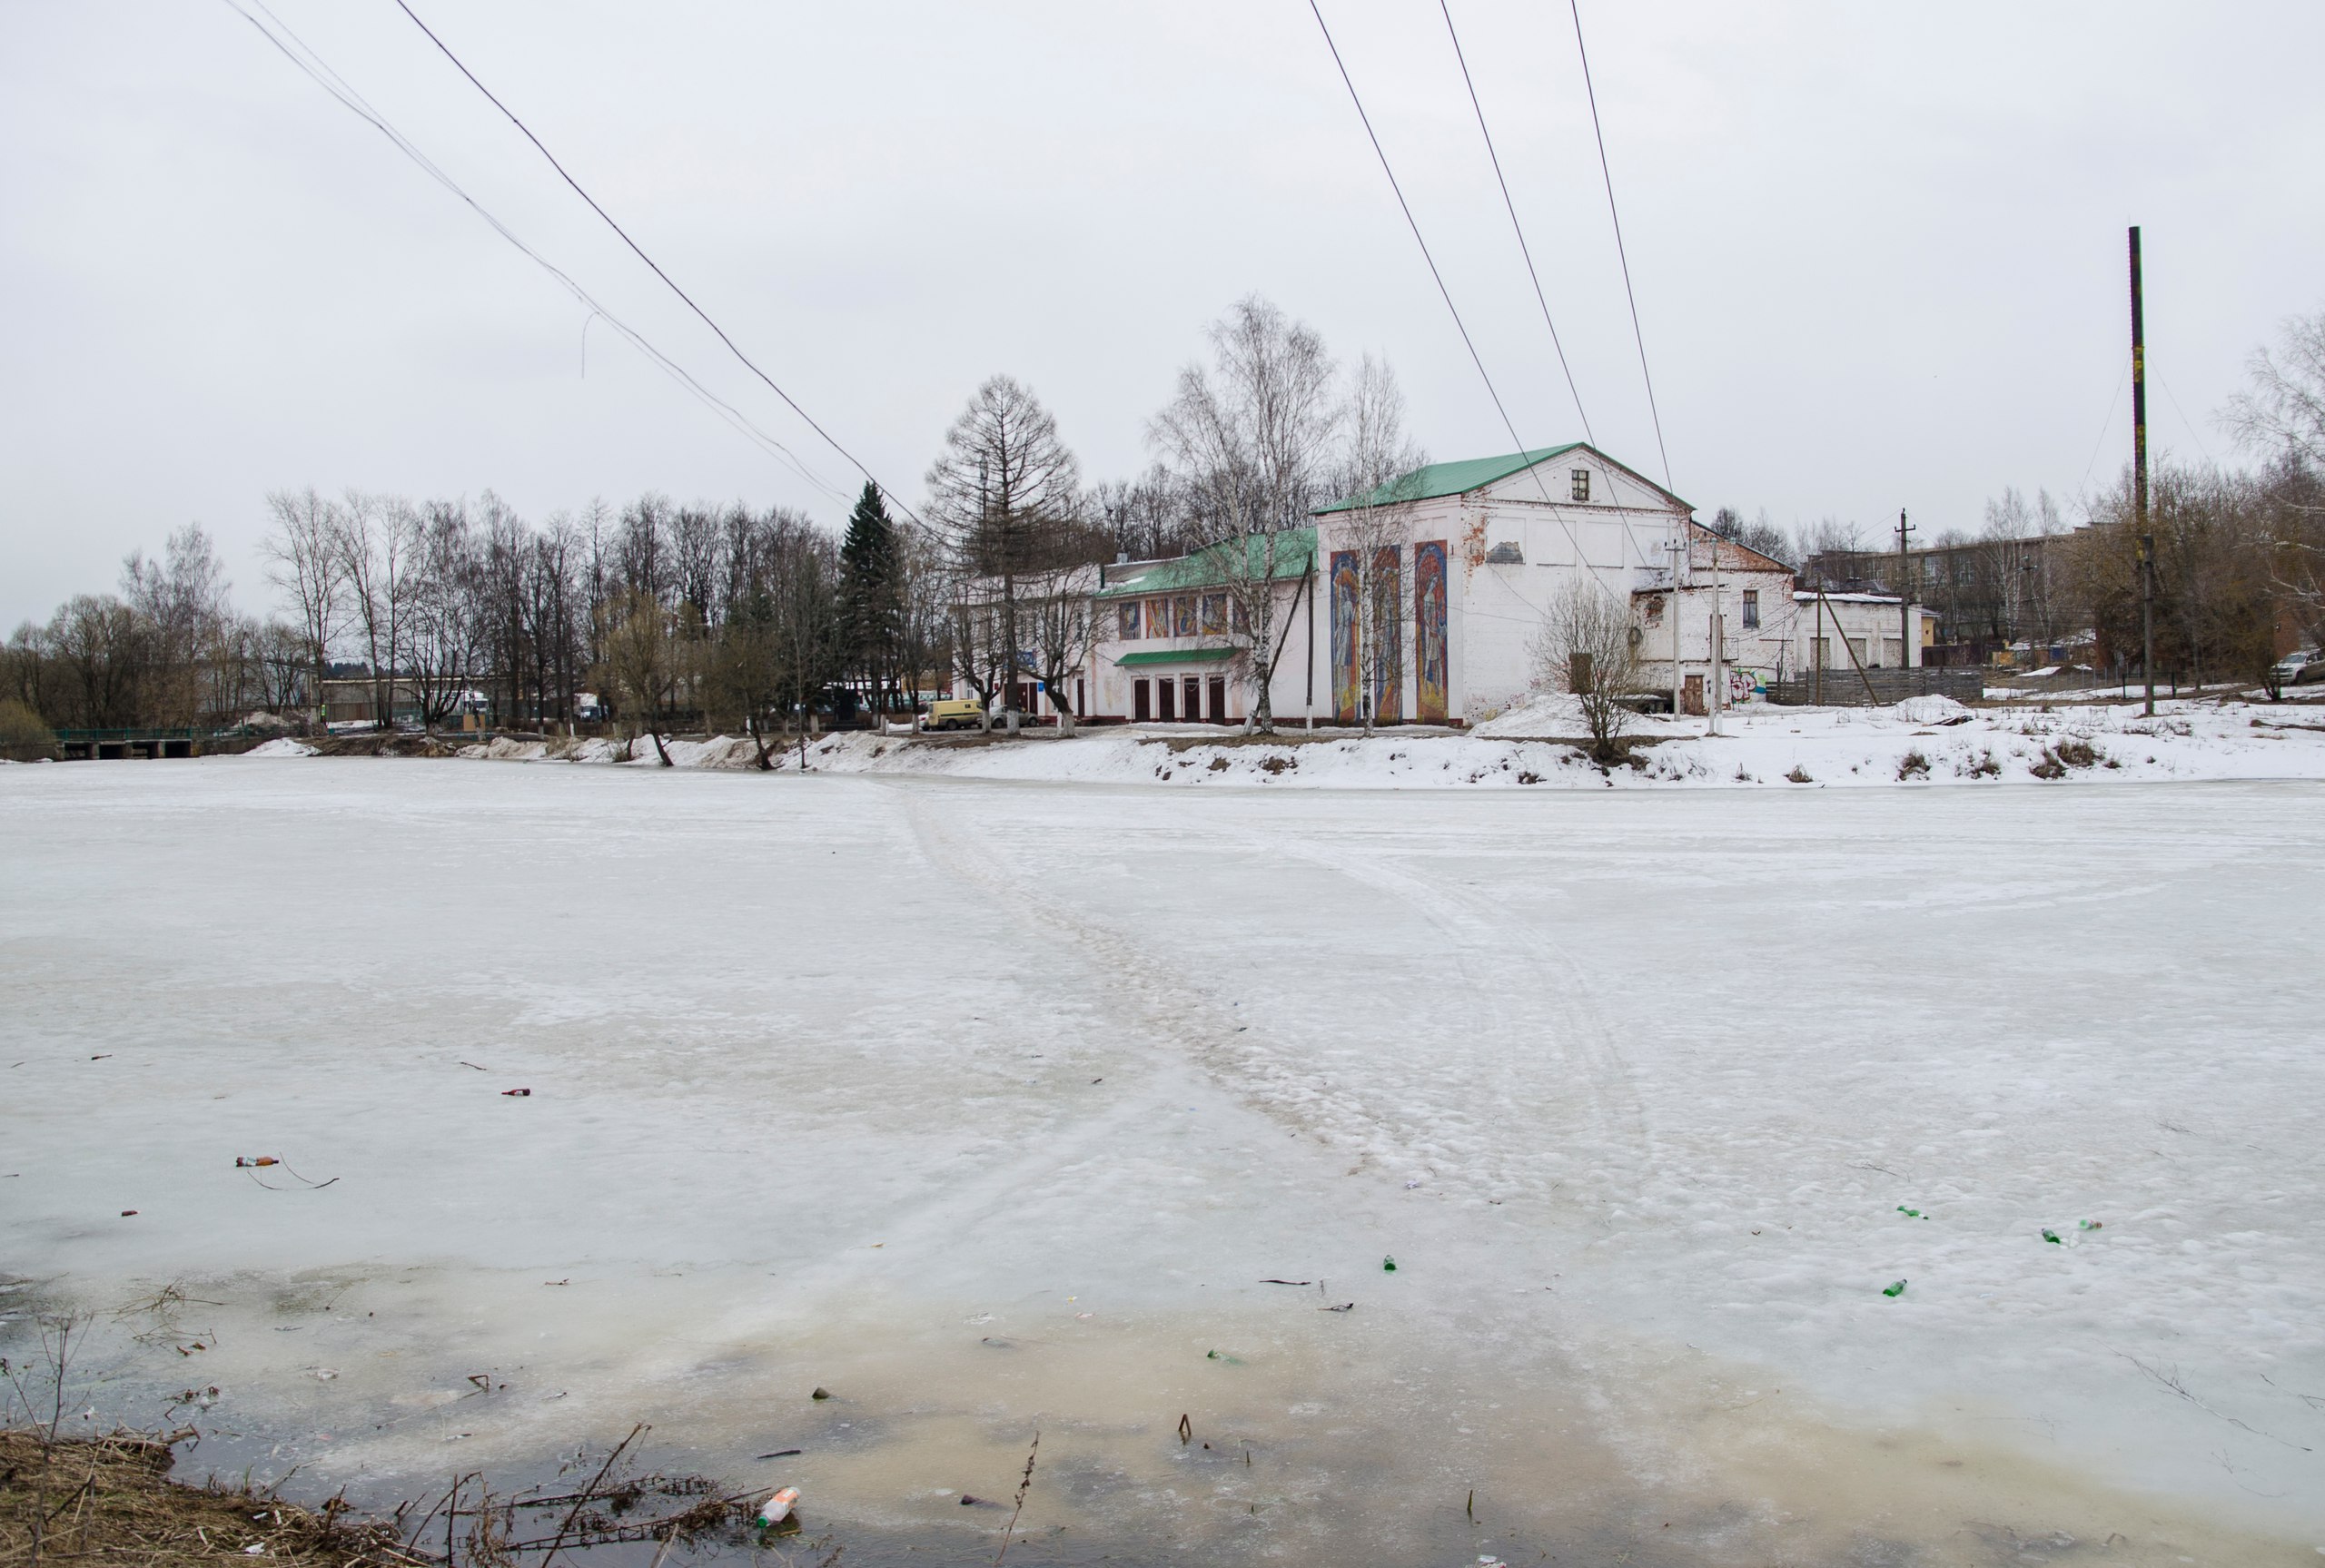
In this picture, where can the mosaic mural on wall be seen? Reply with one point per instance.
(1429, 660)
(1346, 680)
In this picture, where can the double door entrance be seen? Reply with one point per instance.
(1178, 699)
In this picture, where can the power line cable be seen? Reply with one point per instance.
(299, 53)
(2123, 376)
(655, 266)
(1607, 174)
(1533, 470)
(1515, 227)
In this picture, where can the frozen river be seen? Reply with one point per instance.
(990, 1107)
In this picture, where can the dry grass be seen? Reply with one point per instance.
(111, 1500)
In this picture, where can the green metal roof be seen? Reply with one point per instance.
(1177, 656)
(1207, 567)
(1450, 479)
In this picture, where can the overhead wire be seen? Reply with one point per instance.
(311, 63)
(638, 251)
(1621, 253)
(1515, 227)
(1533, 470)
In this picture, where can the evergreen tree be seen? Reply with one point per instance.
(871, 595)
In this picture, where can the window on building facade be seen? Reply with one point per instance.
(1751, 609)
(1581, 484)
(1182, 615)
(1158, 617)
(1655, 609)
(1129, 614)
(1240, 616)
(1215, 615)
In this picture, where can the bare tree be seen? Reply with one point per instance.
(1588, 646)
(642, 661)
(810, 650)
(1145, 518)
(374, 537)
(1255, 442)
(443, 621)
(303, 563)
(1007, 493)
(182, 605)
(1375, 535)
(2282, 417)
(1063, 620)
(1760, 533)
(2284, 410)
(98, 645)
(924, 634)
(1379, 469)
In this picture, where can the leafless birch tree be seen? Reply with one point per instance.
(1253, 440)
(303, 563)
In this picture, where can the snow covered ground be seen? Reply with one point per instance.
(988, 1105)
(1923, 742)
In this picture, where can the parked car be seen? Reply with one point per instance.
(2300, 668)
(953, 713)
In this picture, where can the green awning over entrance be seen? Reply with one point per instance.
(1175, 656)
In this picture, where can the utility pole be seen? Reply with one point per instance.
(1904, 595)
(1676, 545)
(1718, 683)
(2139, 477)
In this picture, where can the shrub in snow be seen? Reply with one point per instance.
(1913, 765)
(1928, 710)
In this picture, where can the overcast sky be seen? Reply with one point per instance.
(1878, 252)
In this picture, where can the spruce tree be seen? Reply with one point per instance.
(871, 598)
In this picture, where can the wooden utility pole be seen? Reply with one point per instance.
(2139, 477)
(1904, 595)
(1679, 551)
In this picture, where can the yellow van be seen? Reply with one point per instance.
(953, 713)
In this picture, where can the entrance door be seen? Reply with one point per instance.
(1692, 698)
(1138, 709)
(1166, 700)
(1218, 696)
(1193, 684)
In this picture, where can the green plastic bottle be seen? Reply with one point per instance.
(1896, 1290)
(1388, 1266)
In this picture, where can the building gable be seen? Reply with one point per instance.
(1542, 474)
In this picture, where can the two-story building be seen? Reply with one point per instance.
(1471, 555)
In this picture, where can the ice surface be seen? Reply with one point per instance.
(883, 1083)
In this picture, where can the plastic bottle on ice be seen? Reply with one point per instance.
(778, 1507)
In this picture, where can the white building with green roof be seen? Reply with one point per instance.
(1470, 555)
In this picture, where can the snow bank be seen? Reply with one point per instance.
(1932, 709)
(1921, 742)
(281, 746)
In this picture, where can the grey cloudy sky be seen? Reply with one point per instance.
(1878, 250)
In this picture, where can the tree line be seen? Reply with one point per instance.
(2238, 553)
(723, 616)
(709, 615)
